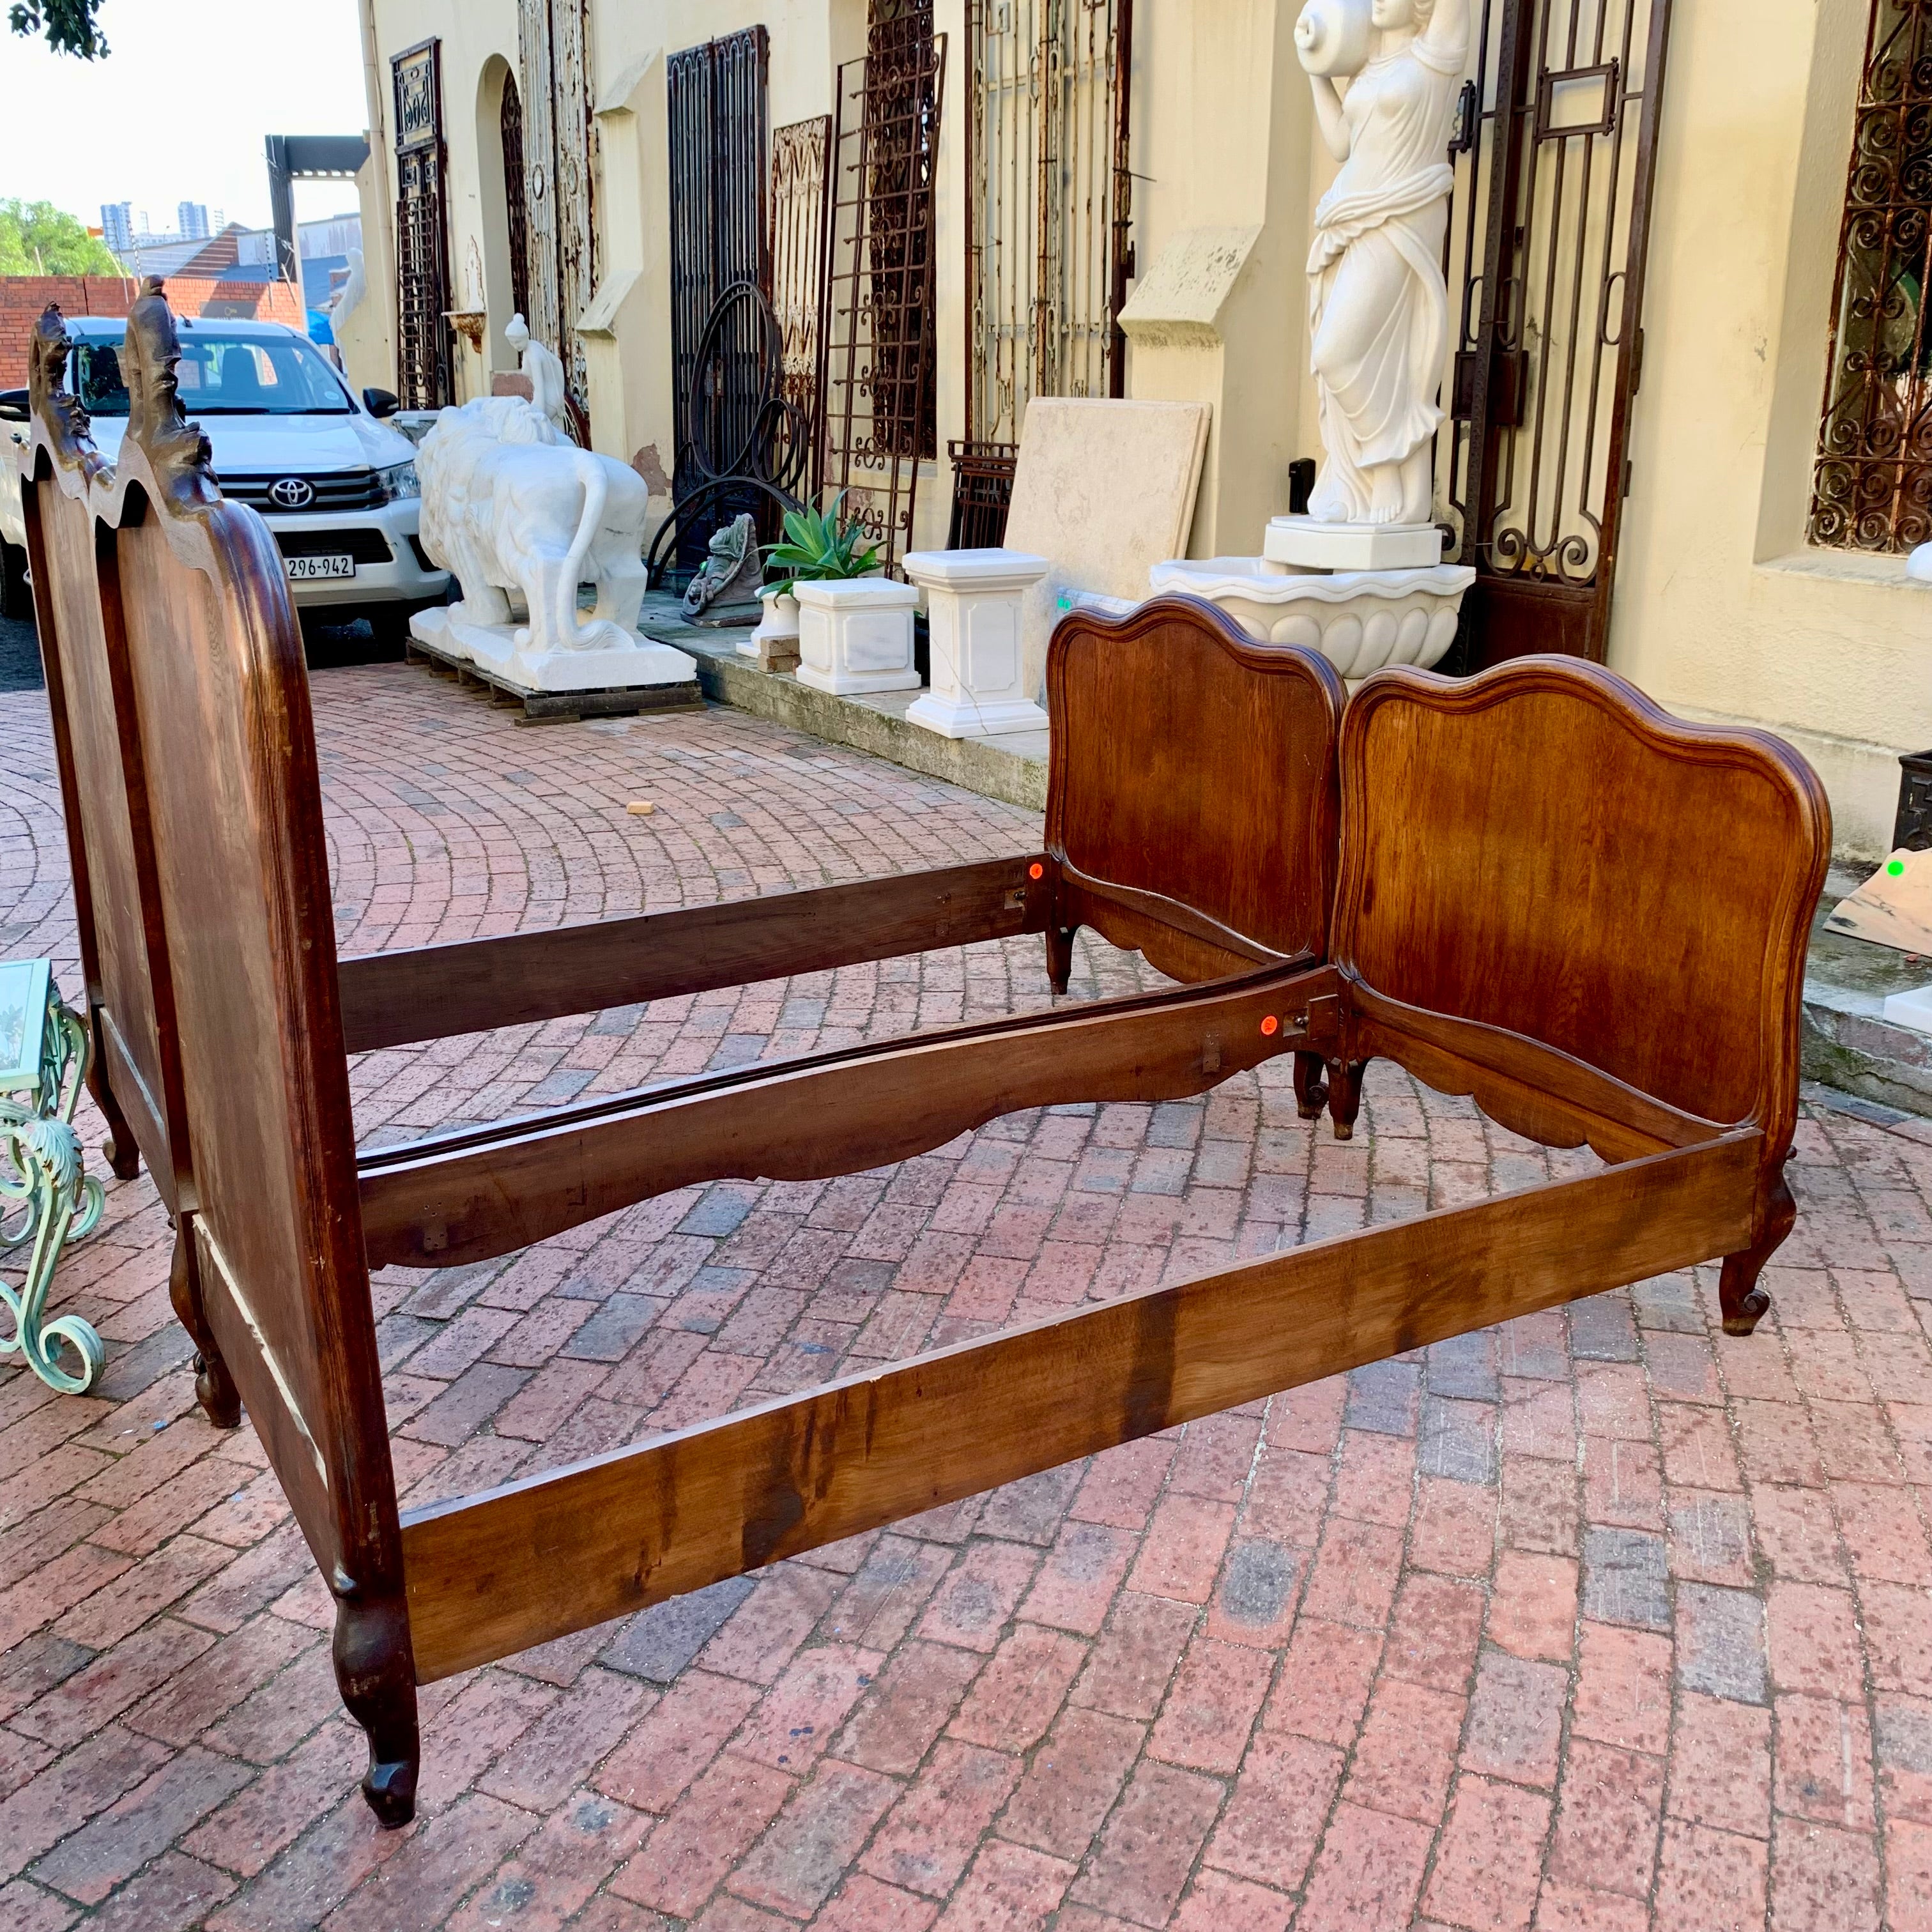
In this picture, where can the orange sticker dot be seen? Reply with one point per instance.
(1035, 871)
(1271, 1026)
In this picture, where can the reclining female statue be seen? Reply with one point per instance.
(1378, 306)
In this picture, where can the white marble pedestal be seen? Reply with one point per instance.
(973, 602)
(492, 649)
(856, 636)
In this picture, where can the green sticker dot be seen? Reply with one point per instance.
(1896, 866)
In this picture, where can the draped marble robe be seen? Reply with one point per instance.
(1381, 226)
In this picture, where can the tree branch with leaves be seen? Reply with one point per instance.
(71, 26)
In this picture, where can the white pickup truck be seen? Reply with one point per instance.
(336, 483)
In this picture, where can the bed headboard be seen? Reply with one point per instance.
(1541, 848)
(207, 657)
(1191, 799)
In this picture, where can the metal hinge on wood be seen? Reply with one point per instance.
(1630, 470)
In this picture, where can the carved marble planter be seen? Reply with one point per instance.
(774, 644)
(1359, 620)
(856, 636)
(974, 599)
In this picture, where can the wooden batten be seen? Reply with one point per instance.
(495, 1574)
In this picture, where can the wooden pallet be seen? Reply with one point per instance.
(557, 707)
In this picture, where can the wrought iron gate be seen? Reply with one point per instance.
(1555, 154)
(422, 233)
(876, 341)
(798, 253)
(559, 158)
(1047, 205)
(716, 111)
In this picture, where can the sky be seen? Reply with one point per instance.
(178, 110)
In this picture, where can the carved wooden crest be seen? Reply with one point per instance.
(176, 448)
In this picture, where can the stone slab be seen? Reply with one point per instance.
(1302, 543)
(1104, 490)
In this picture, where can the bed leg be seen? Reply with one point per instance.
(1060, 955)
(1345, 1095)
(1743, 1302)
(123, 1155)
(214, 1387)
(376, 1677)
(1311, 1090)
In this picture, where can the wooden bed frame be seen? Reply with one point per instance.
(1545, 894)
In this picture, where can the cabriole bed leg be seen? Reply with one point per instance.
(376, 1676)
(1060, 955)
(123, 1156)
(1311, 1090)
(1345, 1095)
(214, 1387)
(1743, 1303)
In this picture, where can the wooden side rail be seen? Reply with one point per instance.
(430, 992)
(491, 1574)
(484, 1192)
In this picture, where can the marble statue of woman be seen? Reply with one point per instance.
(1378, 306)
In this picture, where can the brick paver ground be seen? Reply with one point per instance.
(1598, 1620)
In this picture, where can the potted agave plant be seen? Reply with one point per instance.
(854, 626)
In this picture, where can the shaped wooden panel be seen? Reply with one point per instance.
(1543, 849)
(1191, 803)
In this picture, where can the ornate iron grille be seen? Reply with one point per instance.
(718, 239)
(1872, 489)
(422, 235)
(560, 137)
(876, 341)
(515, 205)
(798, 253)
(1555, 154)
(902, 147)
(1047, 205)
(982, 492)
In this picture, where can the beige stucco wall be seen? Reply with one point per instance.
(1720, 611)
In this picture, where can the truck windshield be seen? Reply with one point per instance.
(220, 376)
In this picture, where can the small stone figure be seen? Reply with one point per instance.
(544, 371)
(733, 572)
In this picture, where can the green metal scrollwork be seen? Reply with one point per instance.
(47, 1199)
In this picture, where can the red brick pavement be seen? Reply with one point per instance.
(1597, 1620)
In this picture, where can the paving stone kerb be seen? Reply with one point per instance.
(1598, 1619)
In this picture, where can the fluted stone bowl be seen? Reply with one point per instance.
(1359, 620)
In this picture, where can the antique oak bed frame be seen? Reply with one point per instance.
(1534, 888)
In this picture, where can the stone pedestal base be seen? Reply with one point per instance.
(1302, 543)
(974, 601)
(493, 648)
(856, 637)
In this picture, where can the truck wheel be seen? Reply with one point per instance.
(16, 596)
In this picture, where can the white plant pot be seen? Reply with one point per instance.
(973, 603)
(856, 636)
(779, 625)
(1359, 620)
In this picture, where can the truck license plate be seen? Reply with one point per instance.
(301, 569)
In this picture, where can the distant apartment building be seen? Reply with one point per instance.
(191, 220)
(117, 226)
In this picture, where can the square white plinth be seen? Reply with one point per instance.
(1308, 545)
(857, 636)
(974, 600)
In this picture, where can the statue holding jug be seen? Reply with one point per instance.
(1378, 306)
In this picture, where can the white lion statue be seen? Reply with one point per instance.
(507, 504)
